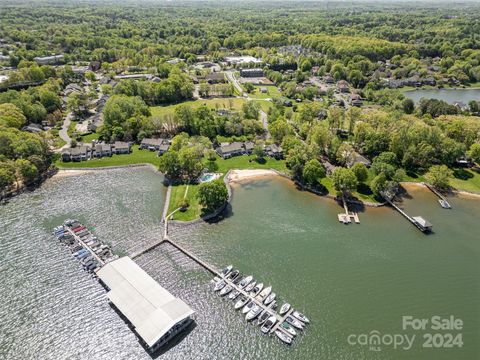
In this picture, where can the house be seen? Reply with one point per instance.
(357, 158)
(49, 60)
(251, 73)
(464, 162)
(71, 88)
(249, 145)
(153, 144)
(343, 86)
(422, 223)
(215, 78)
(94, 65)
(102, 150)
(461, 105)
(163, 148)
(274, 151)
(32, 128)
(79, 153)
(355, 100)
(328, 79)
(121, 147)
(227, 150)
(263, 90)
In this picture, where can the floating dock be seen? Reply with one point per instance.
(347, 217)
(442, 200)
(270, 308)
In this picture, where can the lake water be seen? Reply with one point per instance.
(448, 95)
(346, 279)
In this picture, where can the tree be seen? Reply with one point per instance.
(474, 106)
(213, 194)
(439, 176)
(474, 152)
(378, 184)
(11, 116)
(360, 171)
(249, 87)
(26, 170)
(259, 153)
(251, 110)
(7, 177)
(169, 165)
(313, 171)
(408, 106)
(344, 180)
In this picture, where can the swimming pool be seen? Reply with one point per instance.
(207, 177)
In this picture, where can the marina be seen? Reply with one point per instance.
(256, 301)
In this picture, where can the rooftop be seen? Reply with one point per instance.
(150, 308)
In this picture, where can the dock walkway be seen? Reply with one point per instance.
(408, 217)
(80, 241)
(442, 200)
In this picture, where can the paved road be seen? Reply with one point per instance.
(234, 81)
(263, 118)
(63, 133)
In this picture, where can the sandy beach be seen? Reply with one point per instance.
(243, 175)
(73, 172)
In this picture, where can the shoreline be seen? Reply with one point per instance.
(453, 192)
(239, 176)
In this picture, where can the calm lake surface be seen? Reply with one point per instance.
(346, 279)
(448, 95)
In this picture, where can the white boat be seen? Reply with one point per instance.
(227, 270)
(257, 289)
(296, 323)
(284, 337)
(245, 281)
(241, 302)
(264, 293)
(253, 313)
(248, 307)
(220, 285)
(284, 309)
(288, 328)
(300, 316)
(233, 275)
(225, 290)
(263, 317)
(250, 286)
(268, 324)
(233, 295)
(270, 298)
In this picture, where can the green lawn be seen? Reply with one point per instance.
(466, 179)
(272, 91)
(136, 157)
(216, 103)
(89, 137)
(176, 197)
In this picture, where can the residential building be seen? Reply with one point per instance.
(79, 153)
(355, 100)
(228, 150)
(49, 60)
(343, 86)
(102, 150)
(163, 148)
(153, 144)
(274, 151)
(215, 78)
(121, 147)
(357, 158)
(251, 73)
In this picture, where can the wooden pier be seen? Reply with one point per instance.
(442, 200)
(80, 241)
(269, 307)
(422, 224)
(347, 217)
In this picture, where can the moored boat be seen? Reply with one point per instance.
(233, 275)
(220, 285)
(250, 286)
(268, 324)
(270, 298)
(257, 289)
(295, 322)
(287, 339)
(263, 317)
(233, 295)
(226, 290)
(264, 293)
(227, 270)
(253, 313)
(288, 328)
(284, 309)
(241, 302)
(248, 307)
(245, 281)
(300, 316)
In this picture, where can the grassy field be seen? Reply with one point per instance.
(136, 157)
(272, 91)
(216, 103)
(179, 192)
(89, 137)
(466, 179)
